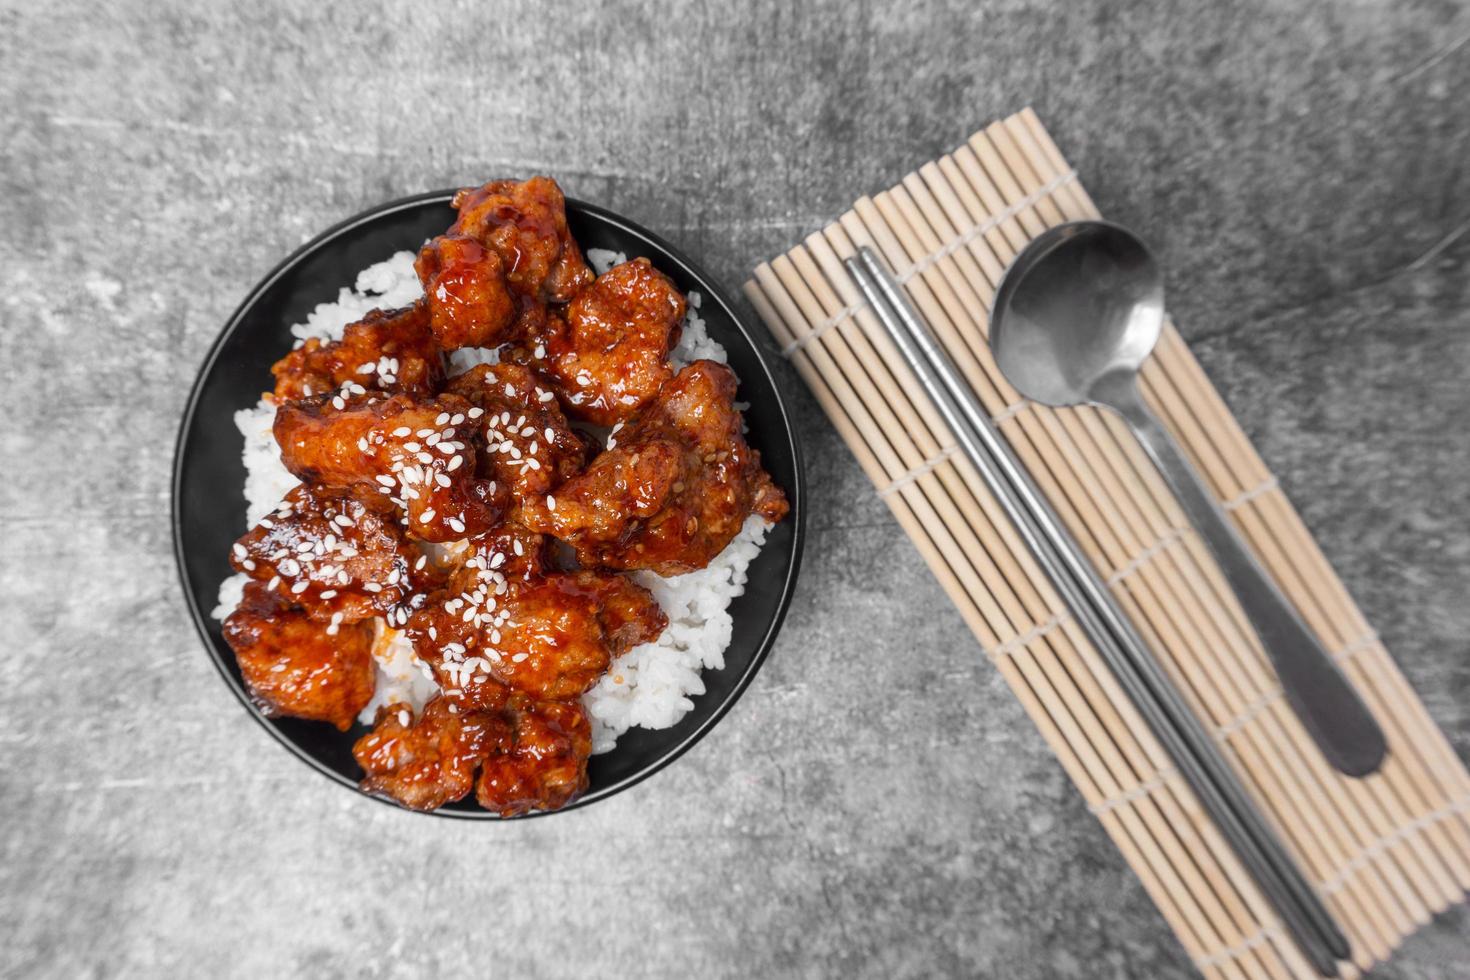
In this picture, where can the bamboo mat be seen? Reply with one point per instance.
(1386, 852)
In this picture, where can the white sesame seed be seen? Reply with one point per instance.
(426, 516)
(457, 524)
(418, 565)
(519, 548)
(386, 481)
(475, 413)
(402, 431)
(518, 658)
(454, 464)
(300, 587)
(404, 717)
(338, 403)
(238, 549)
(550, 502)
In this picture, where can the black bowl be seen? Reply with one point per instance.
(209, 501)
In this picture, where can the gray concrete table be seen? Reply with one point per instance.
(878, 804)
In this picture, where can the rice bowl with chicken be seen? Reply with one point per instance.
(681, 591)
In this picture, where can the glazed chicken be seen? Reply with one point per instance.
(504, 618)
(418, 454)
(528, 755)
(427, 762)
(470, 303)
(339, 554)
(672, 488)
(387, 351)
(525, 224)
(545, 767)
(297, 666)
(607, 353)
(529, 447)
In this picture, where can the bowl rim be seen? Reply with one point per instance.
(708, 288)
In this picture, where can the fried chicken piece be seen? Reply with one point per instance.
(470, 303)
(418, 454)
(504, 619)
(546, 767)
(529, 755)
(427, 762)
(673, 487)
(529, 447)
(296, 666)
(525, 223)
(607, 353)
(391, 351)
(337, 553)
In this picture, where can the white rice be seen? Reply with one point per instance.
(651, 686)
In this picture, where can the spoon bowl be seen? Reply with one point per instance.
(1083, 304)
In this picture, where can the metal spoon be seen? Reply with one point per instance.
(1076, 316)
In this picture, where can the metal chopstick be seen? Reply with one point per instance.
(1140, 675)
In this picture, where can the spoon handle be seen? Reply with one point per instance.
(1327, 705)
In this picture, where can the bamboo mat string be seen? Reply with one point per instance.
(1387, 851)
